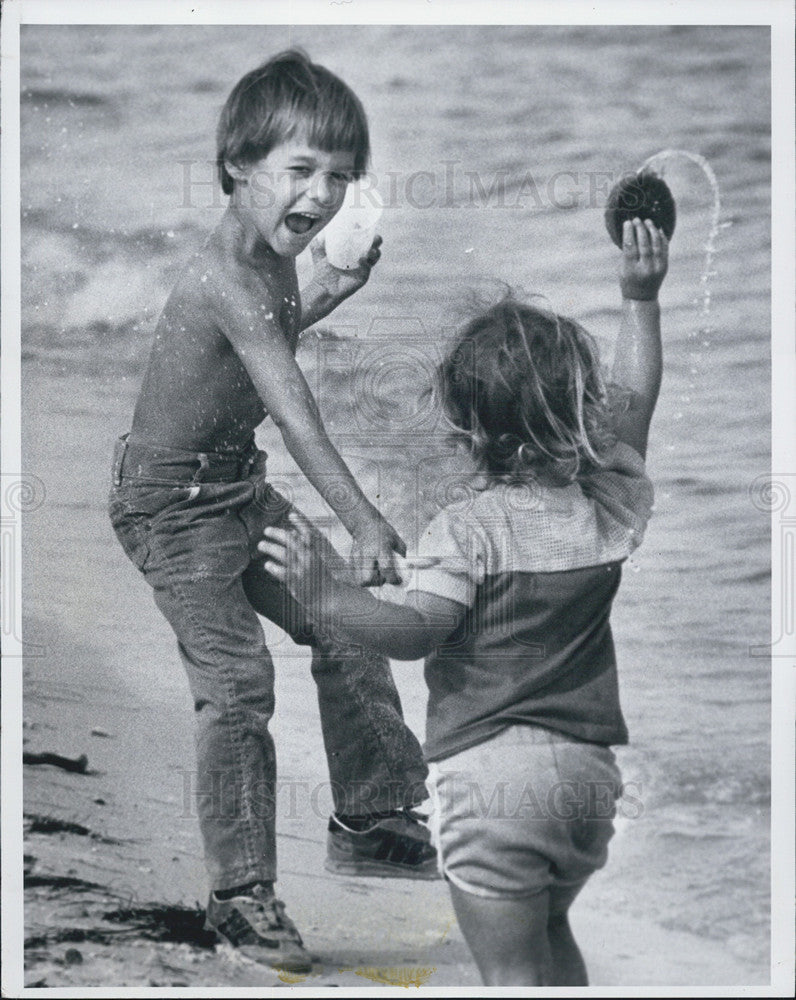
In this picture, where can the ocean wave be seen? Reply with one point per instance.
(707, 786)
(63, 97)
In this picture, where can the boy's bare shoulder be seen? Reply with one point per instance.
(222, 268)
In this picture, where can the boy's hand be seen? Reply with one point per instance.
(373, 557)
(645, 259)
(340, 284)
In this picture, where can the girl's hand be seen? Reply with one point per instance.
(645, 259)
(293, 556)
(340, 284)
(373, 555)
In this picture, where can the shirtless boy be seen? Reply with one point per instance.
(190, 501)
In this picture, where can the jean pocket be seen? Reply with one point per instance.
(132, 530)
(132, 510)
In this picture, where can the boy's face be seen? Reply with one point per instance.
(292, 193)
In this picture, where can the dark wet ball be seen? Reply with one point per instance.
(644, 196)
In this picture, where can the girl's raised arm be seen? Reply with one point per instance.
(638, 360)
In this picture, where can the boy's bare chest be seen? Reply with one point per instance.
(286, 291)
(290, 314)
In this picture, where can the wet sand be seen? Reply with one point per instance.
(113, 898)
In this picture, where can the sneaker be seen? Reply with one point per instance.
(398, 846)
(256, 924)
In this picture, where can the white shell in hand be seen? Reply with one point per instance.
(350, 233)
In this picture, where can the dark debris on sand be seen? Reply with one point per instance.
(82, 932)
(36, 823)
(143, 944)
(151, 922)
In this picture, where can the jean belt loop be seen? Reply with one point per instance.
(204, 466)
(118, 459)
(247, 459)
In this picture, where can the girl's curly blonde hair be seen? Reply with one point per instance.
(522, 388)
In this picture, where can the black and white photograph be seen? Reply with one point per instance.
(398, 460)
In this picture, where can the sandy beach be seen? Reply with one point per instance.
(113, 897)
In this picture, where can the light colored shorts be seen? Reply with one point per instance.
(528, 810)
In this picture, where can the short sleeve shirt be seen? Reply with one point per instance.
(537, 568)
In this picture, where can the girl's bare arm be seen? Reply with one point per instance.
(638, 359)
(402, 632)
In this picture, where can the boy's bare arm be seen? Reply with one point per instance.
(639, 357)
(331, 286)
(247, 313)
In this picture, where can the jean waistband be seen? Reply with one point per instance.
(158, 464)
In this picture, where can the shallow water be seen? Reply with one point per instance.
(521, 132)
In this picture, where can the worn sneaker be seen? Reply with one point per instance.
(398, 846)
(256, 924)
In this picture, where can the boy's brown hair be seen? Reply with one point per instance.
(287, 95)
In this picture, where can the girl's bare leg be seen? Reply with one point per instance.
(569, 969)
(508, 938)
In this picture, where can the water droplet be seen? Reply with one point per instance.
(710, 244)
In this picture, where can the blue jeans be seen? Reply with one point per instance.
(190, 522)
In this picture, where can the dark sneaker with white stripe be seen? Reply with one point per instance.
(395, 846)
(256, 924)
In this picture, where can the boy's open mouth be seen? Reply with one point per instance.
(300, 223)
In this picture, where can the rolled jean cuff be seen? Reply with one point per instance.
(235, 877)
(359, 798)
